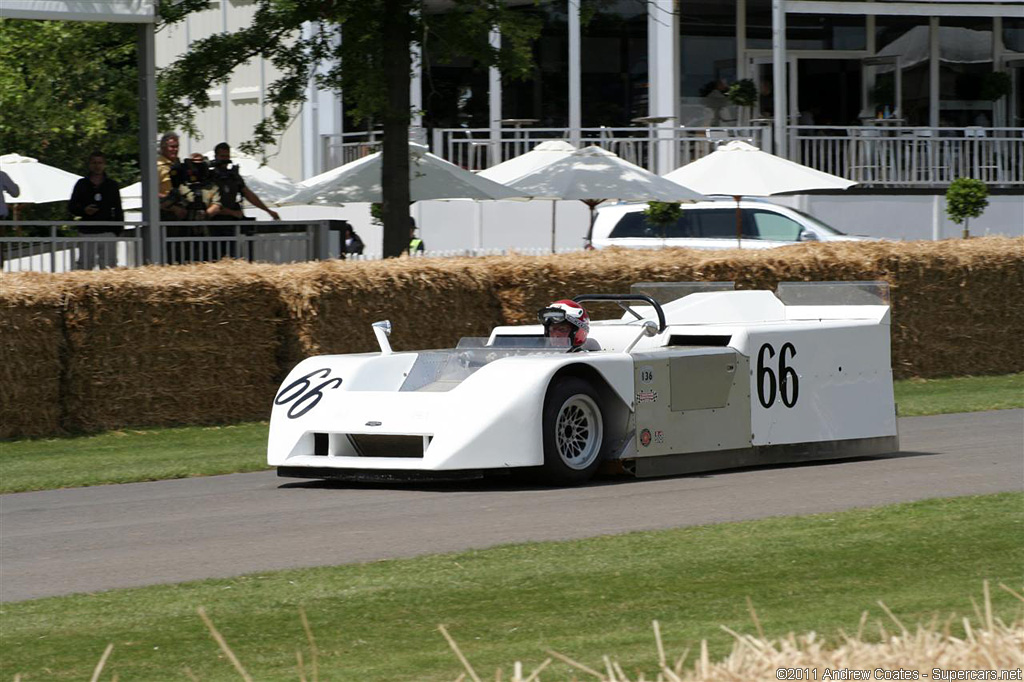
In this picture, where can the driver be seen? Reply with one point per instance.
(567, 320)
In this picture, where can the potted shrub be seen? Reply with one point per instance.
(966, 198)
(662, 214)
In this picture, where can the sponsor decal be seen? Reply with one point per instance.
(304, 394)
(373, 423)
(659, 436)
(647, 397)
(645, 437)
(646, 374)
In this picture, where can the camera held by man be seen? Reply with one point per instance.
(194, 189)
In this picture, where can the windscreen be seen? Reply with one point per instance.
(443, 370)
(833, 293)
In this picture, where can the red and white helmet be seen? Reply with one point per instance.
(566, 311)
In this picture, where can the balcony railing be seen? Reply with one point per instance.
(474, 149)
(39, 247)
(881, 155)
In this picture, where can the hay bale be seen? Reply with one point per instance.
(431, 303)
(210, 343)
(171, 345)
(30, 355)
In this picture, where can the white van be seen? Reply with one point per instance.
(712, 225)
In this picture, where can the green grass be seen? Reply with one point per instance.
(158, 454)
(132, 455)
(586, 598)
(960, 394)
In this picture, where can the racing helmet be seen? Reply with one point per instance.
(566, 311)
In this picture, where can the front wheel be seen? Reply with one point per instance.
(573, 431)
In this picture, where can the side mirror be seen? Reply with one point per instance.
(649, 328)
(808, 236)
(382, 330)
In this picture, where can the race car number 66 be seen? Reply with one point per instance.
(302, 396)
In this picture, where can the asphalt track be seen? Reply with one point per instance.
(91, 539)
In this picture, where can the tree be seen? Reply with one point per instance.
(966, 198)
(67, 89)
(663, 213)
(363, 50)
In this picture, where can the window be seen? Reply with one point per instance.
(635, 225)
(717, 223)
(775, 227)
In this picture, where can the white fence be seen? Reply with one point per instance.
(41, 248)
(468, 253)
(474, 149)
(912, 157)
(879, 155)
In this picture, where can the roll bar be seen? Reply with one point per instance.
(619, 298)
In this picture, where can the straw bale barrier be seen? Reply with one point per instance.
(432, 303)
(162, 346)
(31, 347)
(203, 344)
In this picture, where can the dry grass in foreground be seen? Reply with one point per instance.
(901, 654)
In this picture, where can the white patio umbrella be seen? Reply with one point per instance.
(593, 175)
(739, 169)
(540, 156)
(430, 177)
(39, 183)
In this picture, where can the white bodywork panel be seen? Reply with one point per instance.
(732, 371)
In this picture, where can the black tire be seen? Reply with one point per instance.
(574, 432)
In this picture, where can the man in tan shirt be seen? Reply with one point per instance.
(170, 208)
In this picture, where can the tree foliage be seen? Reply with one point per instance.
(663, 213)
(67, 89)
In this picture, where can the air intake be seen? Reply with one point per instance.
(372, 445)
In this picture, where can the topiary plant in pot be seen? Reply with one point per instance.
(662, 214)
(966, 198)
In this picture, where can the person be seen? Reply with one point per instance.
(196, 195)
(353, 244)
(11, 187)
(166, 161)
(97, 198)
(415, 243)
(569, 323)
(232, 187)
(193, 189)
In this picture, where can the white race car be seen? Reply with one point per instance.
(710, 378)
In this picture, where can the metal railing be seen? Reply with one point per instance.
(46, 246)
(874, 155)
(264, 242)
(475, 149)
(470, 253)
(900, 156)
(337, 150)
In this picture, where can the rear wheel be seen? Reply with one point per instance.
(573, 431)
